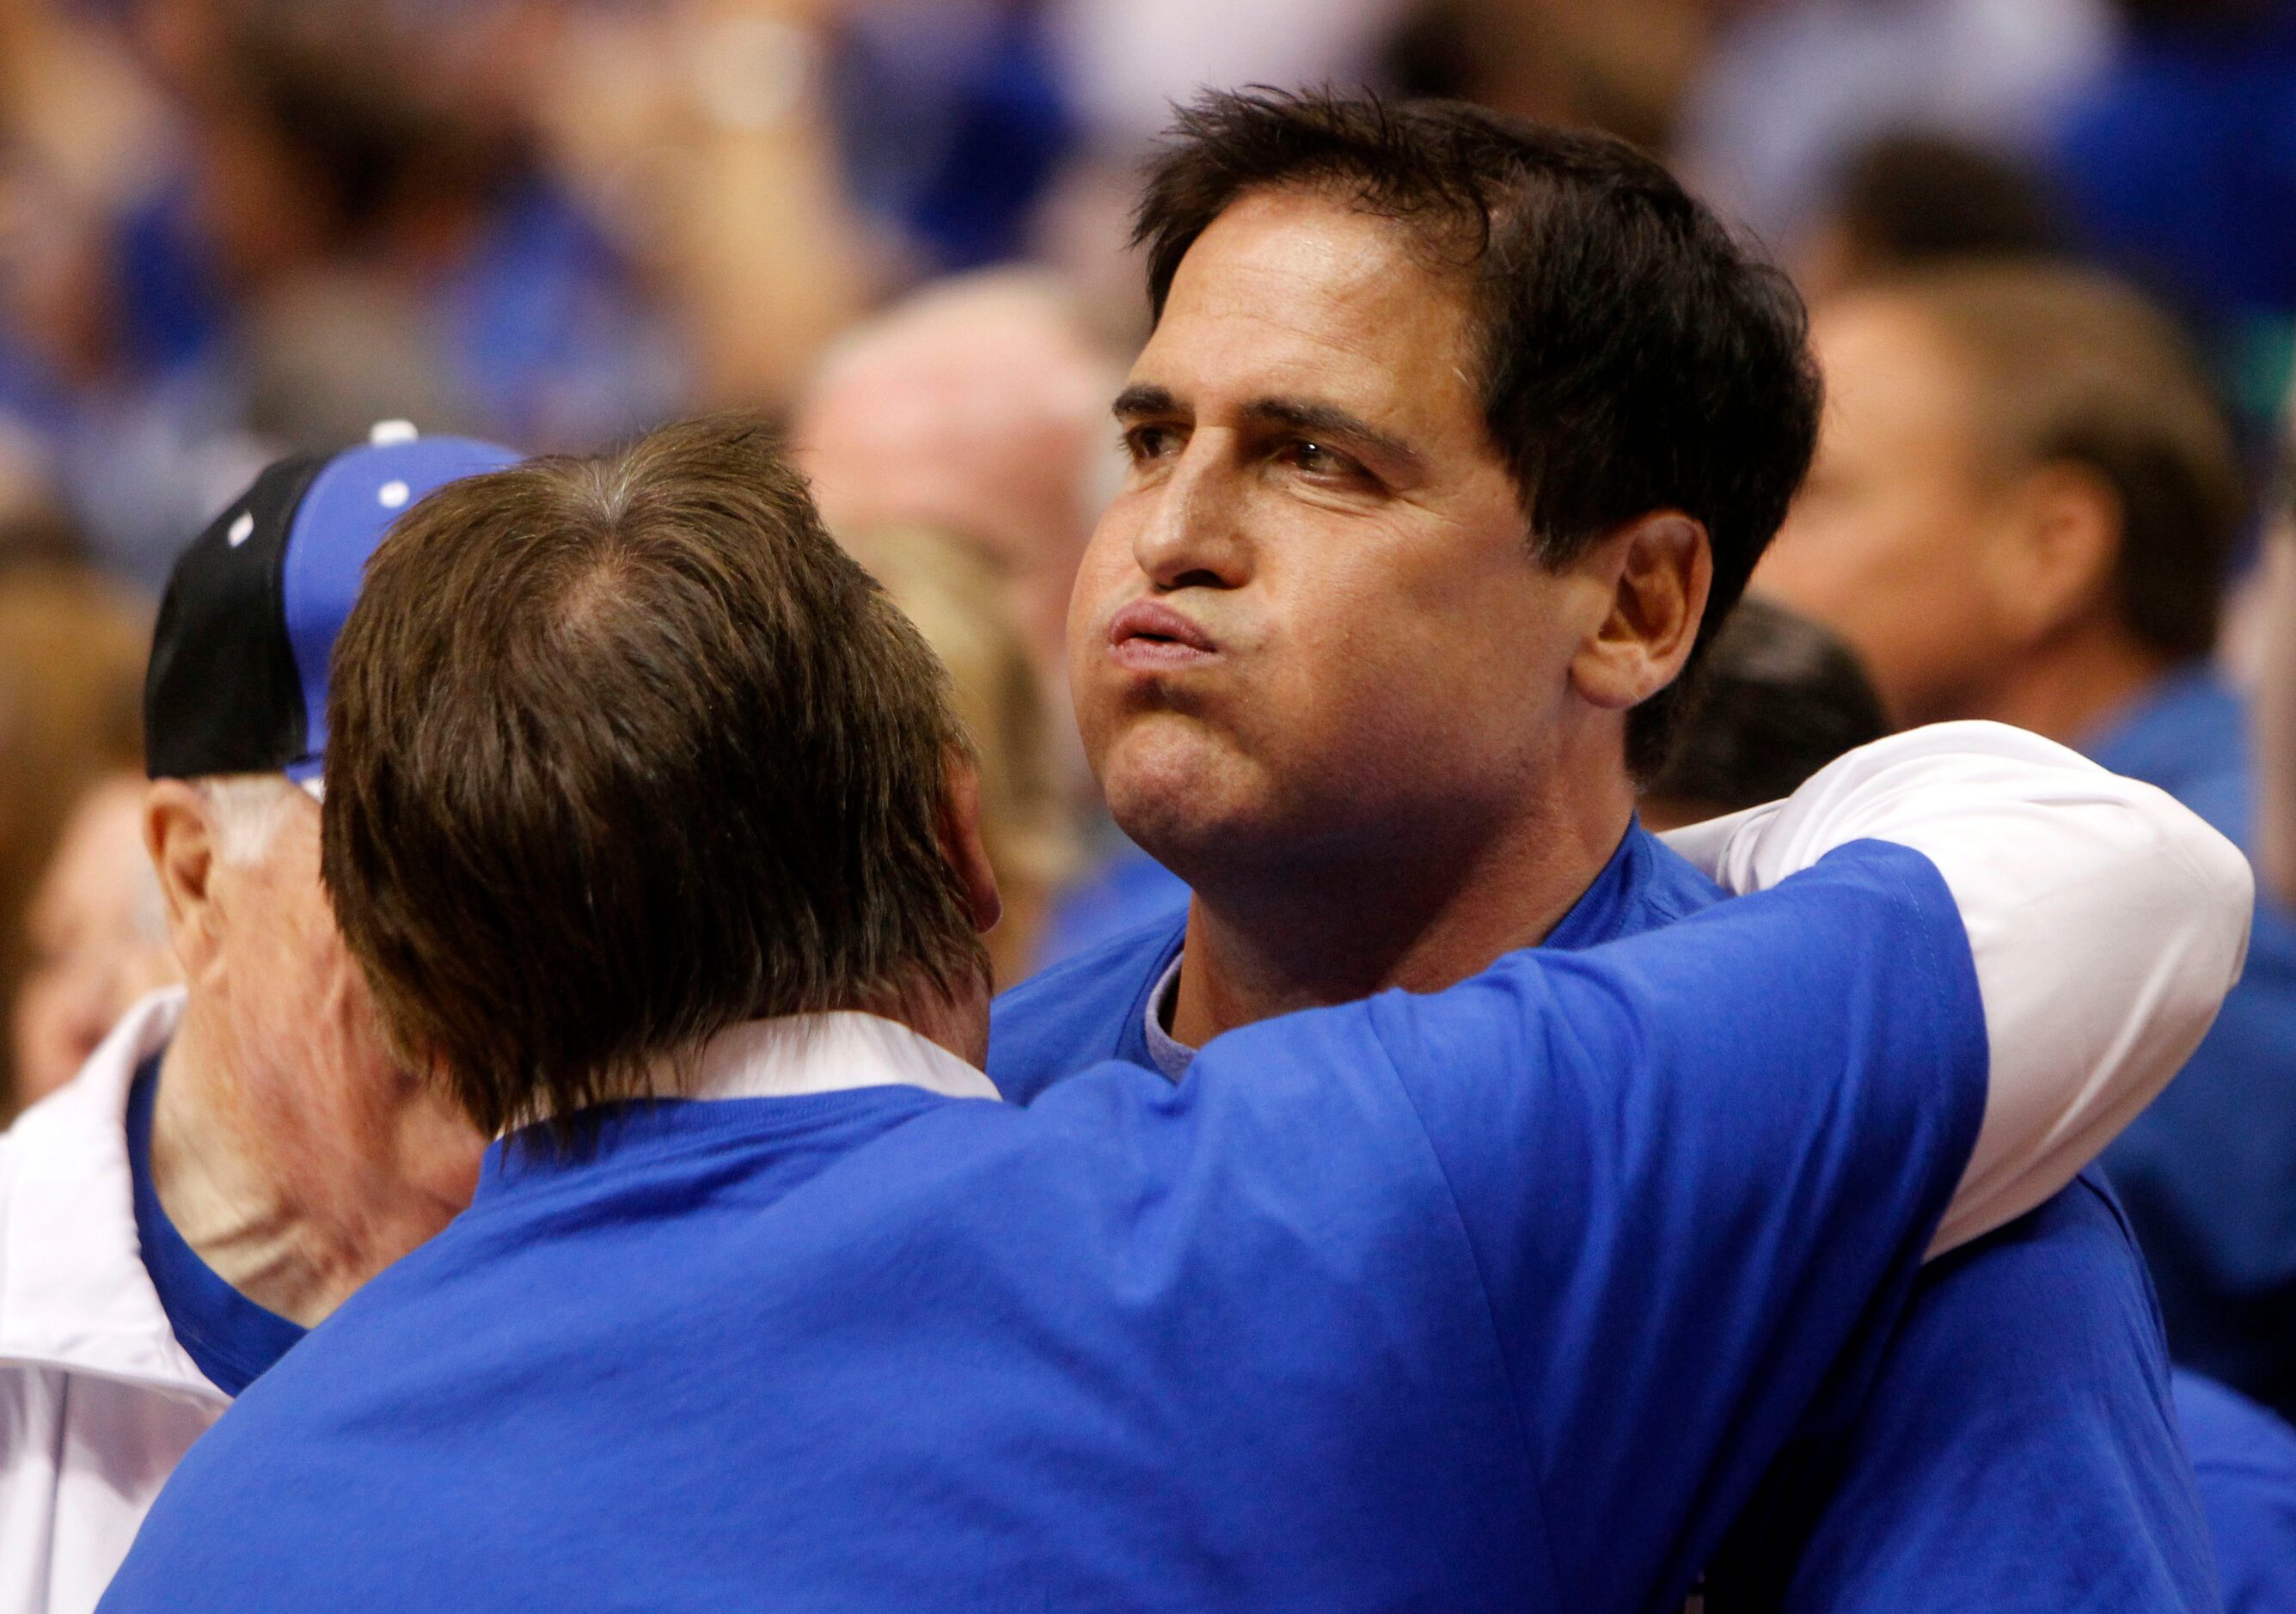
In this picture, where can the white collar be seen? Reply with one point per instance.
(800, 1054)
(74, 1293)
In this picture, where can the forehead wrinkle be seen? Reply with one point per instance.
(1320, 304)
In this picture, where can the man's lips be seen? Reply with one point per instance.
(1149, 635)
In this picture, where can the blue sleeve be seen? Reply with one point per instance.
(1688, 1164)
(2016, 1449)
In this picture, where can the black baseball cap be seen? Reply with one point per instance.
(238, 677)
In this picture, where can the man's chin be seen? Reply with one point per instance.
(1186, 817)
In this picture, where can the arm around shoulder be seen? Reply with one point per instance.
(2105, 921)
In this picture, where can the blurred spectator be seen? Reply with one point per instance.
(1129, 64)
(1795, 83)
(1625, 66)
(2178, 161)
(1780, 697)
(96, 938)
(980, 408)
(1125, 66)
(700, 132)
(2023, 503)
(2023, 499)
(959, 600)
(984, 121)
(343, 223)
(1905, 200)
(71, 677)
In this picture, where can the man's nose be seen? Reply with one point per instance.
(1193, 536)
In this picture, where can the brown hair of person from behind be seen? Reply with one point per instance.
(624, 751)
(960, 601)
(72, 646)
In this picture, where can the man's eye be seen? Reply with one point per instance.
(1316, 460)
(1149, 442)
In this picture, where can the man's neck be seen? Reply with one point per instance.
(293, 1203)
(2071, 688)
(1304, 938)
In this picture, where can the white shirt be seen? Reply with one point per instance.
(800, 1054)
(98, 1403)
(2106, 923)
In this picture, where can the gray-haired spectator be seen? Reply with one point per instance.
(241, 1153)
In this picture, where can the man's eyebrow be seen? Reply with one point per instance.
(1331, 421)
(1136, 401)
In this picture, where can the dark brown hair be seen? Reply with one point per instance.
(624, 751)
(1636, 356)
(2072, 366)
(1912, 198)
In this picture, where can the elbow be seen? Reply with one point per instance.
(2217, 897)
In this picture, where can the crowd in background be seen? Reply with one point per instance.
(234, 229)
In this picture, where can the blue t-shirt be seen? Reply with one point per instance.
(2208, 1171)
(2016, 1450)
(1497, 1299)
(2246, 1459)
(1095, 1004)
(234, 1340)
(2010, 1446)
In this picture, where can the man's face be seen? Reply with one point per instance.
(1312, 615)
(96, 940)
(1887, 543)
(298, 1005)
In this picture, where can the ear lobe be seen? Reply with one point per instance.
(1663, 571)
(2055, 561)
(183, 850)
(959, 830)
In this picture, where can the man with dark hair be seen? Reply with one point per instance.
(2023, 511)
(1456, 440)
(647, 817)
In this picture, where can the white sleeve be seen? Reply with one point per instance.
(2106, 921)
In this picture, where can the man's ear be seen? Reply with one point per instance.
(182, 844)
(2053, 560)
(959, 829)
(1660, 568)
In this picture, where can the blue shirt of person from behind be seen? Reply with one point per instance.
(2208, 1171)
(2009, 1446)
(1487, 1299)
